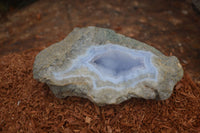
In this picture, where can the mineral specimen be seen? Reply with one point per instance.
(106, 67)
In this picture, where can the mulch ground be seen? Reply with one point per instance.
(27, 105)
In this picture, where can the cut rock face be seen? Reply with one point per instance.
(106, 67)
(111, 63)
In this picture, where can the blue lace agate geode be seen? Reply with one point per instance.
(113, 63)
(106, 67)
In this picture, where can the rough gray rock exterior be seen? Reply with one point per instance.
(67, 69)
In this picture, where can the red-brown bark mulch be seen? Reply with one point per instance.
(27, 105)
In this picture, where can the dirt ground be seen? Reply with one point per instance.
(26, 105)
(171, 26)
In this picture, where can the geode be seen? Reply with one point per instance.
(106, 67)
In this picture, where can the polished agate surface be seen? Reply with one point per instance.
(112, 63)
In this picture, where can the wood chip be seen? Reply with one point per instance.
(40, 111)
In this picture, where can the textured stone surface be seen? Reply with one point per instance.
(106, 67)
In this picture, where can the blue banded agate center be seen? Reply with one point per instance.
(113, 63)
(117, 63)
